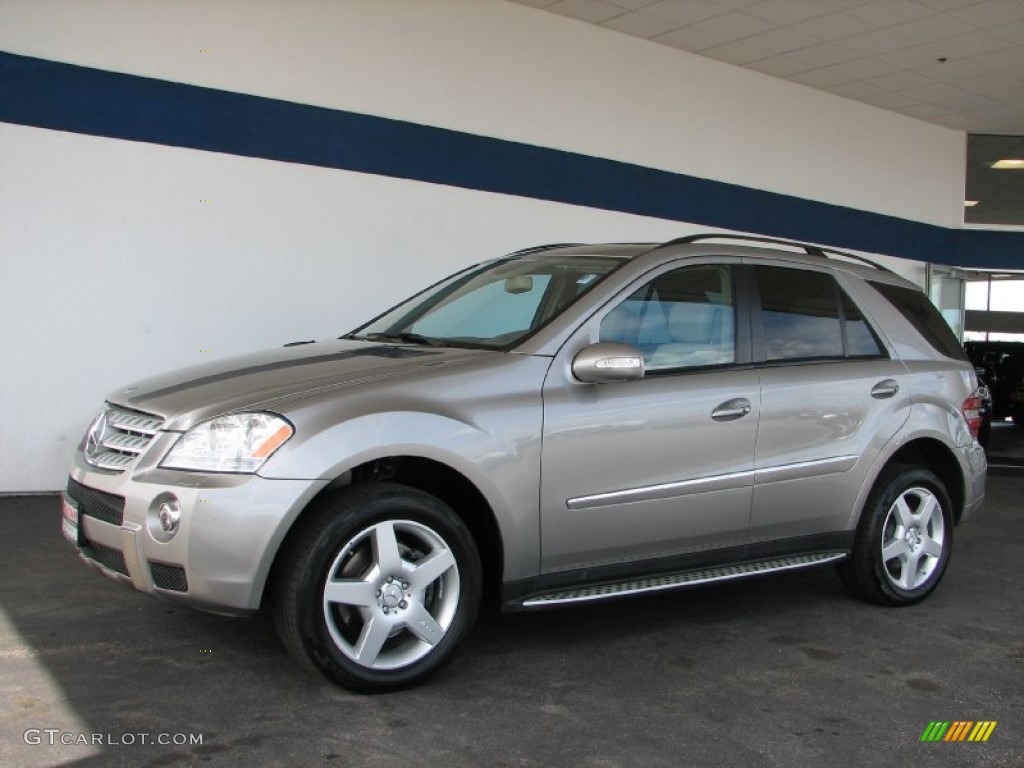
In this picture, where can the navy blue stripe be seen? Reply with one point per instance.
(67, 97)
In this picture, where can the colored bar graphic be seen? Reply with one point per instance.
(958, 730)
(982, 730)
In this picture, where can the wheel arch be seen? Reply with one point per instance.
(928, 453)
(437, 479)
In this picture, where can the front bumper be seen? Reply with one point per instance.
(219, 557)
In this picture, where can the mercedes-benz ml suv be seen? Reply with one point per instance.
(566, 423)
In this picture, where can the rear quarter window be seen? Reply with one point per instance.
(924, 316)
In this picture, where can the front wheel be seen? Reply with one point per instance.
(378, 587)
(903, 540)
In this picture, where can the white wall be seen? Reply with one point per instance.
(500, 69)
(112, 268)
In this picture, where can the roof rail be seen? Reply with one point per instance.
(535, 248)
(811, 250)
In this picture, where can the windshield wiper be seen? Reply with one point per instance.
(403, 336)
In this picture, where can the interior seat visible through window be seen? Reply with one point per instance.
(681, 319)
(701, 334)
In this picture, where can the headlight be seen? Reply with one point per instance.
(240, 442)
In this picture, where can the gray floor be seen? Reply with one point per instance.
(781, 671)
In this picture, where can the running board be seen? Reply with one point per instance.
(676, 581)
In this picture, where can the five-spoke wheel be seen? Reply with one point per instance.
(391, 594)
(378, 586)
(912, 538)
(903, 540)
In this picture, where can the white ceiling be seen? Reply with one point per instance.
(956, 63)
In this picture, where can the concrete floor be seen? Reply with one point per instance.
(780, 671)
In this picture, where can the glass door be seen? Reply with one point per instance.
(946, 289)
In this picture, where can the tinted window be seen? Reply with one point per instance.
(860, 339)
(799, 313)
(806, 315)
(924, 316)
(681, 319)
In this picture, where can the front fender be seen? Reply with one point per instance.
(503, 462)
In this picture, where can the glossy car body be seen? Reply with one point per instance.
(572, 490)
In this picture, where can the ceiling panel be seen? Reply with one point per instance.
(785, 12)
(973, 47)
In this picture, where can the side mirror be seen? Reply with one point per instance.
(607, 362)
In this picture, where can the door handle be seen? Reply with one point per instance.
(885, 388)
(731, 410)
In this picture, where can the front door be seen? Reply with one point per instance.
(662, 466)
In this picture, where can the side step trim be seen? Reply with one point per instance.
(678, 580)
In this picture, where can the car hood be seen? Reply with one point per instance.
(269, 380)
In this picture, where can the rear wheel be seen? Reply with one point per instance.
(904, 539)
(378, 587)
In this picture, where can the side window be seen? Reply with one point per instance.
(681, 319)
(806, 316)
(860, 339)
(799, 313)
(924, 316)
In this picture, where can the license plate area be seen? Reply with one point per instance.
(71, 525)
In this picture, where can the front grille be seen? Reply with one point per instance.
(105, 556)
(102, 506)
(118, 436)
(170, 577)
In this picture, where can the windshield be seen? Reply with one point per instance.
(494, 305)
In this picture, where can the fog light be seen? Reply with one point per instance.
(169, 515)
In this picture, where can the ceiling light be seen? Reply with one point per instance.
(970, 203)
(1008, 163)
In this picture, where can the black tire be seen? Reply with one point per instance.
(985, 432)
(911, 575)
(390, 628)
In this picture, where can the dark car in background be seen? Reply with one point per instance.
(1016, 405)
(1001, 365)
(985, 412)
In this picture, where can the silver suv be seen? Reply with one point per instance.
(567, 423)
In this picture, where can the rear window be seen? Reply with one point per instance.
(924, 316)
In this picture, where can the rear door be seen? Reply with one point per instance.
(831, 397)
